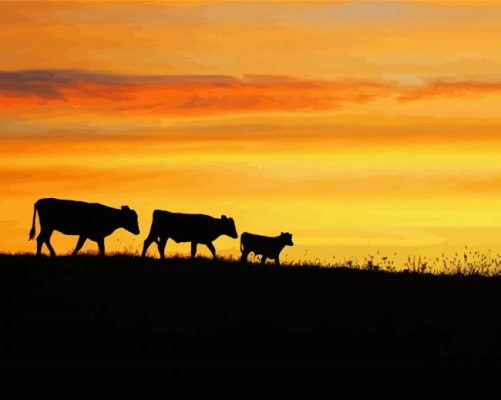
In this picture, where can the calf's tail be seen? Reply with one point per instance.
(32, 231)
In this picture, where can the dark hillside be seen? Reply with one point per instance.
(179, 324)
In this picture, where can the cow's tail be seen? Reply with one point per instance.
(241, 244)
(32, 231)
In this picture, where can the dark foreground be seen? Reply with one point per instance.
(142, 326)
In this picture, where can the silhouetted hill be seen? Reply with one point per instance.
(179, 324)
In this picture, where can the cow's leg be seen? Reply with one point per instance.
(212, 249)
(40, 242)
(263, 259)
(51, 249)
(80, 243)
(100, 244)
(193, 249)
(44, 237)
(161, 246)
(277, 260)
(147, 242)
(245, 254)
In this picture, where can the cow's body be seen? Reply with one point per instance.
(266, 246)
(88, 220)
(194, 228)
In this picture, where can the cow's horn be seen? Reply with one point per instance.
(224, 217)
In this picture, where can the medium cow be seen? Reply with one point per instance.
(88, 220)
(194, 228)
(268, 247)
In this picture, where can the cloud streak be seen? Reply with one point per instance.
(100, 93)
(441, 89)
(181, 94)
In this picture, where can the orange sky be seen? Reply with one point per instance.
(356, 126)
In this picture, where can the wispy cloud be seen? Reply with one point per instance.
(439, 89)
(181, 94)
(100, 93)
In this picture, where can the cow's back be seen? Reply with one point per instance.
(72, 217)
(256, 243)
(76, 208)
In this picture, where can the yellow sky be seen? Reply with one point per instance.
(354, 125)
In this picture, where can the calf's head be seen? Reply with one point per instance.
(286, 238)
(129, 219)
(229, 227)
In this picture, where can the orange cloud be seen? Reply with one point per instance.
(451, 89)
(73, 92)
(180, 95)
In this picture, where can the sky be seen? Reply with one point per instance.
(356, 126)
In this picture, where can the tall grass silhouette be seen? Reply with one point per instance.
(468, 262)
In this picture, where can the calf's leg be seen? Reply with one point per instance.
(193, 249)
(100, 244)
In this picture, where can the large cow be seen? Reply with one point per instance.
(92, 221)
(267, 246)
(194, 228)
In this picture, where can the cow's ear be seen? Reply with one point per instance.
(224, 217)
(125, 208)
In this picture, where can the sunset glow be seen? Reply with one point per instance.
(357, 126)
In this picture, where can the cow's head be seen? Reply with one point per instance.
(229, 227)
(286, 238)
(129, 218)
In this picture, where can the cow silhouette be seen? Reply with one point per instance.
(194, 228)
(92, 221)
(266, 246)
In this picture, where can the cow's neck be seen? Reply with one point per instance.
(117, 219)
(220, 229)
(281, 244)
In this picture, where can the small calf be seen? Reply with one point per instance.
(267, 246)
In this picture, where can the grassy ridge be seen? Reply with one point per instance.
(122, 320)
